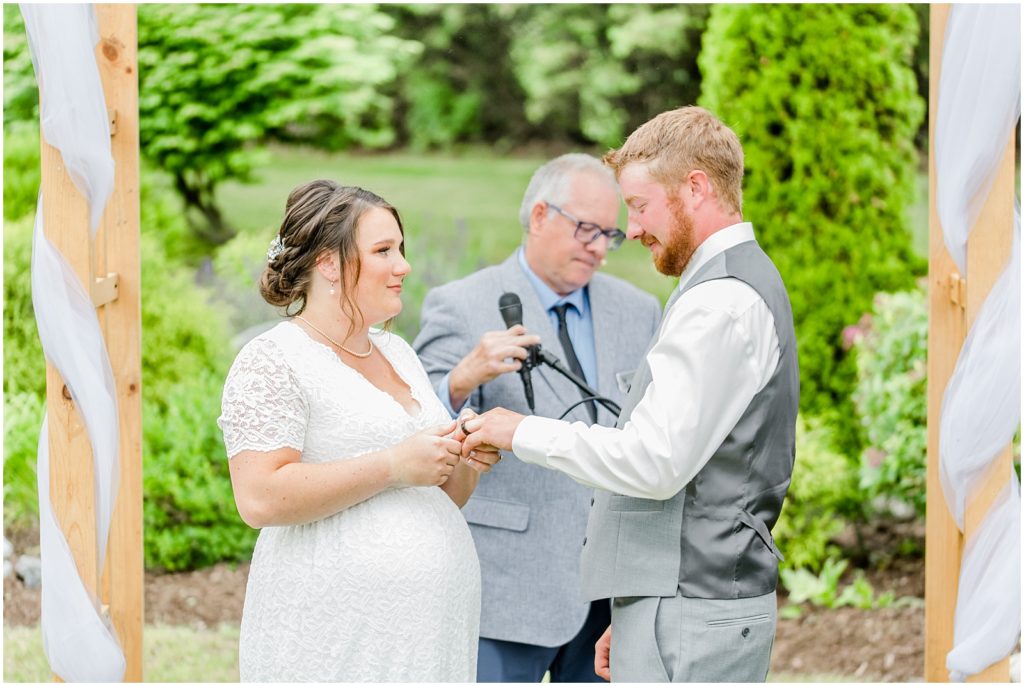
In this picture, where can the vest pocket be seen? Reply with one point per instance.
(762, 532)
(625, 503)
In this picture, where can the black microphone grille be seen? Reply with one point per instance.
(508, 299)
(511, 308)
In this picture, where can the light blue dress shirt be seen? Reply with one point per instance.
(578, 319)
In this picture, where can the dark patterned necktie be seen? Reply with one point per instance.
(570, 355)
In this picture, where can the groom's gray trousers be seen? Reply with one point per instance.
(692, 639)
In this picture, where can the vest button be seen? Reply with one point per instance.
(591, 502)
(745, 632)
(584, 540)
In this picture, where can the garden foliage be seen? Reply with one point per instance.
(216, 80)
(596, 72)
(892, 397)
(830, 165)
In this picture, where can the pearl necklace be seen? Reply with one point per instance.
(368, 352)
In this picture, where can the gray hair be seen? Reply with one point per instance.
(551, 182)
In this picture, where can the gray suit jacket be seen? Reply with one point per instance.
(529, 522)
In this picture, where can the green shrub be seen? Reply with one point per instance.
(21, 169)
(24, 366)
(190, 514)
(892, 397)
(822, 589)
(824, 99)
(23, 419)
(823, 489)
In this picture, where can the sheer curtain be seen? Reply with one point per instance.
(78, 639)
(979, 104)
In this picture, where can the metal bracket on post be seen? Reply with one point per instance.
(105, 289)
(958, 290)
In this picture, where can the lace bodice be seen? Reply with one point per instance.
(287, 390)
(386, 590)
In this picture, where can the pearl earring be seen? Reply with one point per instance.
(332, 287)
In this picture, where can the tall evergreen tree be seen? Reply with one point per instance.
(824, 99)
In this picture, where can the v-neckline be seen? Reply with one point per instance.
(387, 358)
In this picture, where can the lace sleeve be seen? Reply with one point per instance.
(263, 408)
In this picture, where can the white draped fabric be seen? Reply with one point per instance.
(79, 641)
(979, 104)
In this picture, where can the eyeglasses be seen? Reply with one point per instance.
(588, 232)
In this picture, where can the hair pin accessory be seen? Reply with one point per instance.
(275, 249)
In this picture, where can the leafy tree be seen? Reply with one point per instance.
(825, 101)
(593, 73)
(463, 88)
(217, 81)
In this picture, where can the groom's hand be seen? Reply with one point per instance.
(602, 655)
(481, 458)
(491, 430)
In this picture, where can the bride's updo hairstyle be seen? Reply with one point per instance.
(320, 216)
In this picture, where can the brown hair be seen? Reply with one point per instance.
(320, 216)
(682, 140)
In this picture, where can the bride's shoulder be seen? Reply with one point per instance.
(270, 344)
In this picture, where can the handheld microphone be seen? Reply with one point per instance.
(511, 308)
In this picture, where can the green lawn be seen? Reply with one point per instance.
(181, 654)
(171, 654)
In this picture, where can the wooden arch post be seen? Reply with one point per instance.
(954, 304)
(110, 266)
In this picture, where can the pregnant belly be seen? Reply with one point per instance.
(403, 538)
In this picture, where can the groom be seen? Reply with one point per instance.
(694, 475)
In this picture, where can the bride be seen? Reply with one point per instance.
(342, 455)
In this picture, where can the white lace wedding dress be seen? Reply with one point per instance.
(387, 590)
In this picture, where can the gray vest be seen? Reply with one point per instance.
(713, 538)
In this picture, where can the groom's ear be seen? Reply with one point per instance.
(698, 186)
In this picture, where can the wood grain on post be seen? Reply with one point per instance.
(953, 307)
(66, 225)
(118, 253)
(115, 252)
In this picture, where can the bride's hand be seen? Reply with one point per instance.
(426, 458)
(482, 458)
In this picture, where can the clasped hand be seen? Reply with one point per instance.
(429, 457)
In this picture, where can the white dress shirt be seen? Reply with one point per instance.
(717, 348)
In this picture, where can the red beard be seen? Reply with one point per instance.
(679, 248)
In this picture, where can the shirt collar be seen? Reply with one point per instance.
(548, 298)
(716, 243)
